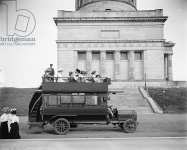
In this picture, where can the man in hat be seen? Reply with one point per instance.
(49, 73)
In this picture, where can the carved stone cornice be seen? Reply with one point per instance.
(108, 19)
(110, 41)
(110, 44)
(169, 44)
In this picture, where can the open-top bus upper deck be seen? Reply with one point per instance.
(64, 86)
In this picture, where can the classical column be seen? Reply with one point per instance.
(102, 63)
(89, 61)
(75, 59)
(131, 65)
(116, 65)
(170, 73)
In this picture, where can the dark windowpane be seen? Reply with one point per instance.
(110, 56)
(96, 56)
(138, 55)
(124, 56)
(81, 55)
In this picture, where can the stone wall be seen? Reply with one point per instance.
(154, 64)
(114, 31)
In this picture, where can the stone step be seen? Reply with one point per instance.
(131, 99)
(139, 110)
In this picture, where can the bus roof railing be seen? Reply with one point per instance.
(66, 85)
(79, 80)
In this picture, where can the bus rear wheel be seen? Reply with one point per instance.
(61, 126)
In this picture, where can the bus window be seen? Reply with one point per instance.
(52, 100)
(91, 100)
(65, 99)
(78, 99)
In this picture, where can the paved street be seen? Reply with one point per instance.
(99, 144)
(155, 132)
(151, 125)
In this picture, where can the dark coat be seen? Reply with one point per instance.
(14, 131)
(4, 130)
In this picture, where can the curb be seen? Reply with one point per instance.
(152, 103)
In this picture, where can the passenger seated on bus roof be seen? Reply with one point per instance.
(71, 77)
(92, 76)
(48, 77)
(60, 76)
(77, 71)
(97, 78)
(82, 76)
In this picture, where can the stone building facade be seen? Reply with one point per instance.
(115, 39)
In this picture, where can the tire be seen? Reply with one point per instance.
(61, 126)
(129, 126)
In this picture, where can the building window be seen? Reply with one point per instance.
(108, 9)
(81, 55)
(124, 56)
(109, 55)
(95, 56)
(138, 55)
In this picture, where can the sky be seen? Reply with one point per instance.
(23, 66)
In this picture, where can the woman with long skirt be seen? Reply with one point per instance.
(14, 125)
(4, 123)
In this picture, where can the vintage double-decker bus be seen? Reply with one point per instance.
(67, 104)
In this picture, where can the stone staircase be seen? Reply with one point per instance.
(130, 98)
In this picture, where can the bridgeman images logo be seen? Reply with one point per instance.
(17, 25)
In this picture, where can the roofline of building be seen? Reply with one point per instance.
(109, 41)
(108, 19)
(169, 44)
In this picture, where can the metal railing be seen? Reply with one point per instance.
(78, 80)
